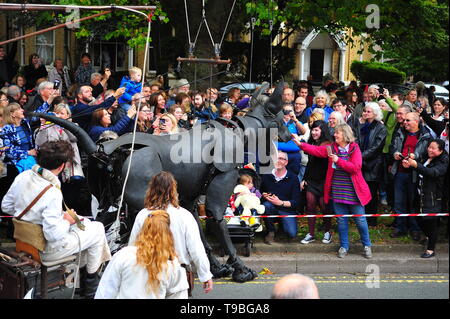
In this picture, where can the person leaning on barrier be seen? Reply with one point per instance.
(63, 236)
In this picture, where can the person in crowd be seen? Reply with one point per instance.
(98, 83)
(73, 184)
(432, 170)
(82, 111)
(351, 99)
(212, 97)
(155, 87)
(371, 139)
(4, 101)
(158, 103)
(314, 181)
(62, 239)
(295, 127)
(180, 115)
(13, 93)
(7, 67)
(299, 109)
(321, 100)
(295, 286)
(147, 91)
(341, 106)
(18, 139)
(202, 112)
(281, 192)
(167, 124)
(288, 96)
(148, 270)
(45, 91)
(411, 99)
(144, 119)
(23, 99)
(61, 74)
(114, 110)
(370, 95)
(33, 71)
(334, 120)
(20, 81)
(132, 84)
(344, 184)
(409, 142)
(306, 93)
(101, 121)
(162, 194)
(437, 120)
(84, 70)
(226, 111)
(233, 96)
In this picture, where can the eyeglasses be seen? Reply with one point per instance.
(282, 159)
(3, 100)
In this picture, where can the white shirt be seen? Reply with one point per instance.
(47, 211)
(186, 236)
(125, 279)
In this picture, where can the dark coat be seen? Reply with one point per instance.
(372, 154)
(431, 186)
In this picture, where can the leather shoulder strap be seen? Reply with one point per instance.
(34, 201)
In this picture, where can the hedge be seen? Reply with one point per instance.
(376, 72)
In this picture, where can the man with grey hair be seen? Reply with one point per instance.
(295, 286)
(45, 90)
(13, 93)
(288, 96)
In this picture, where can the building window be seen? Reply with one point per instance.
(111, 54)
(45, 47)
(151, 60)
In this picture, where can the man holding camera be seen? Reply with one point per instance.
(411, 141)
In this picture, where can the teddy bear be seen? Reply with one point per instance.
(248, 201)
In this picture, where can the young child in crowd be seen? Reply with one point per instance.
(132, 86)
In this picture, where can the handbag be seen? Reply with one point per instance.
(27, 232)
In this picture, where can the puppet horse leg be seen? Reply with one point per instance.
(217, 196)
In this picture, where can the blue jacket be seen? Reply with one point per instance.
(82, 113)
(122, 126)
(327, 110)
(289, 146)
(288, 189)
(131, 88)
(11, 139)
(205, 114)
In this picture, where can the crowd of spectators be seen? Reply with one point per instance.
(394, 140)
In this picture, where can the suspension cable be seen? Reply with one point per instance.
(228, 21)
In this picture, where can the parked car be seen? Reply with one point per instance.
(440, 90)
(246, 87)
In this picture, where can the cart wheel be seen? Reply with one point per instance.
(248, 248)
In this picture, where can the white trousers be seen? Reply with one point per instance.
(93, 244)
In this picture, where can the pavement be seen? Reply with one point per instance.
(318, 258)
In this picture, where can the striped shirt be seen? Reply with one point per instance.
(342, 190)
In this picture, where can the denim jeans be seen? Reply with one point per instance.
(289, 223)
(301, 173)
(361, 223)
(404, 191)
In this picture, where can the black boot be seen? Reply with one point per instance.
(242, 273)
(90, 285)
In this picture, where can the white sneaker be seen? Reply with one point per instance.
(342, 252)
(367, 252)
(308, 239)
(327, 238)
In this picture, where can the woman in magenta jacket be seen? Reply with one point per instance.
(344, 184)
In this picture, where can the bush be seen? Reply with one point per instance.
(376, 72)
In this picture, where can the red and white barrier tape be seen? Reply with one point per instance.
(316, 216)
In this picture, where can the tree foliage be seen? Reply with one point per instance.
(414, 34)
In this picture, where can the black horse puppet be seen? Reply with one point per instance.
(204, 160)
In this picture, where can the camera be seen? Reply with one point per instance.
(56, 84)
(287, 112)
(162, 121)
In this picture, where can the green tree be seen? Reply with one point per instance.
(414, 34)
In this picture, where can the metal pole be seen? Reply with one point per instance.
(59, 26)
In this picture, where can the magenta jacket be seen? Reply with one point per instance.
(352, 166)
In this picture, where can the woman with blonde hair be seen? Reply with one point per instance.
(162, 195)
(148, 270)
(165, 125)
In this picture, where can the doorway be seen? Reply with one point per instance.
(316, 65)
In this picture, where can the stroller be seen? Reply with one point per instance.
(240, 232)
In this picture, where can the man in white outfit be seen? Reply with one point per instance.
(64, 237)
